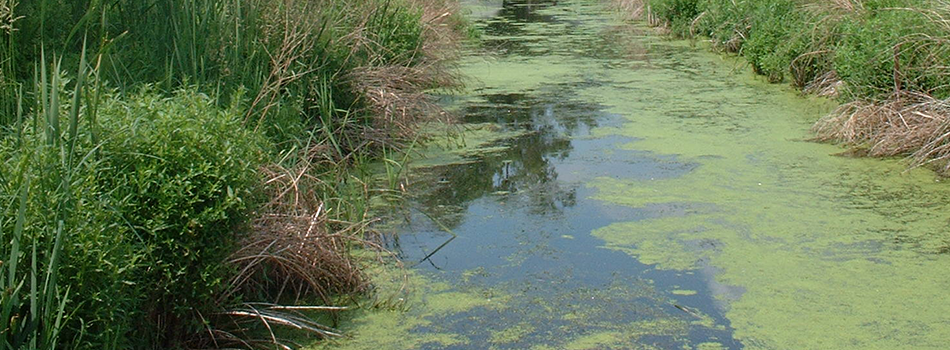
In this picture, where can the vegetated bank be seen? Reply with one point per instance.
(886, 61)
(177, 173)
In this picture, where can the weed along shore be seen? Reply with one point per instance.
(479, 174)
(193, 173)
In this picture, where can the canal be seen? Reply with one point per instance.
(609, 188)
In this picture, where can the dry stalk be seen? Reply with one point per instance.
(631, 9)
(827, 85)
(912, 124)
(394, 94)
(297, 29)
(7, 18)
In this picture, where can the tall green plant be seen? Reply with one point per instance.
(32, 310)
(8, 63)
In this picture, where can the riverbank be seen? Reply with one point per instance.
(190, 173)
(884, 61)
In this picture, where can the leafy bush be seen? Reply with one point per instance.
(773, 25)
(185, 173)
(888, 44)
(147, 215)
(679, 14)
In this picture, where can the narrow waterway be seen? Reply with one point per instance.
(617, 190)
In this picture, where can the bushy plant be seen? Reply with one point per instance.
(726, 22)
(184, 172)
(892, 49)
(773, 25)
(678, 14)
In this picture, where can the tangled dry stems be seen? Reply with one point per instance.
(395, 94)
(908, 123)
(631, 9)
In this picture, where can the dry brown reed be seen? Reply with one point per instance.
(292, 253)
(297, 27)
(395, 93)
(631, 9)
(908, 123)
(293, 249)
(826, 85)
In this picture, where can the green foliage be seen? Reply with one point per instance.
(145, 217)
(773, 24)
(876, 47)
(892, 49)
(679, 14)
(726, 22)
(134, 197)
(397, 30)
(185, 172)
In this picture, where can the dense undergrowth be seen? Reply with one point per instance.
(885, 60)
(175, 173)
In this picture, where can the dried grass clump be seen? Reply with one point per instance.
(394, 95)
(631, 9)
(826, 85)
(908, 123)
(294, 250)
(293, 253)
(294, 256)
(394, 92)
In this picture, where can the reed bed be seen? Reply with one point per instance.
(187, 173)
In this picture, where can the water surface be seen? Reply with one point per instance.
(621, 191)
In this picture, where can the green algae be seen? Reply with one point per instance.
(628, 336)
(683, 292)
(831, 252)
(410, 302)
(512, 334)
(710, 346)
(418, 311)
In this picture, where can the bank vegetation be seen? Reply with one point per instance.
(190, 173)
(886, 61)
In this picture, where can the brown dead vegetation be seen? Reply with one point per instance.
(294, 248)
(298, 249)
(395, 94)
(908, 123)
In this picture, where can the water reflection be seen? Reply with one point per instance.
(522, 214)
(525, 167)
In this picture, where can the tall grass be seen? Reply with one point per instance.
(9, 87)
(32, 298)
(204, 166)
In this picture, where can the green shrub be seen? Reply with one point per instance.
(185, 172)
(67, 214)
(679, 14)
(773, 25)
(891, 43)
(726, 22)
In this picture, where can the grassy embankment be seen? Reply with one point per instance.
(886, 61)
(173, 171)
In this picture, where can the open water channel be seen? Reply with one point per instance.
(617, 190)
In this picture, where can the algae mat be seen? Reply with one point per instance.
(622, 191)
